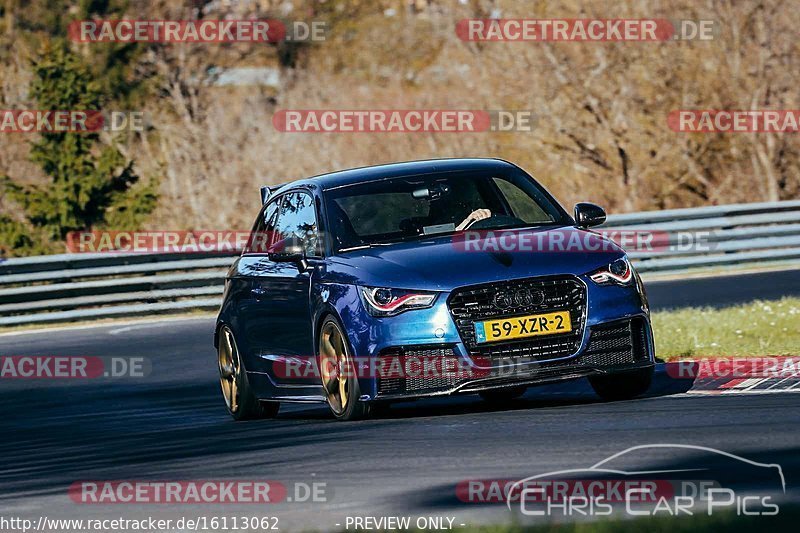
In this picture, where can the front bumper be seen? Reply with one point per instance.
(616, 346)
(608, 316)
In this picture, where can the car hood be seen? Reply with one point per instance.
(446, 262)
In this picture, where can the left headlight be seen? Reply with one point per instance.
(381, 301)
(619, 272)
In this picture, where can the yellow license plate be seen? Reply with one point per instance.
(522, 326)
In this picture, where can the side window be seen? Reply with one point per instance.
(297, 218)
(261, 237)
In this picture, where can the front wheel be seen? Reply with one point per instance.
(623, 385)
(240, 400)
(339, 379)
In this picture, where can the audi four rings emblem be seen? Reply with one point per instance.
(520, 298)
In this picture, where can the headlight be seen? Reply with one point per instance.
(620, 272)
(389, 302)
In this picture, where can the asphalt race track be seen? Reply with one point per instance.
(172, 425)
(721, 291)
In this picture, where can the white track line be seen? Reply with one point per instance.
(733, 391)
(143, 322)
(781, 381)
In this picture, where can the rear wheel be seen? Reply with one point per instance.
(624, 385)
(503, 395)
(241, 402)
(337, 369)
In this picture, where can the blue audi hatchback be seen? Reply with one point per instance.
(363, 287)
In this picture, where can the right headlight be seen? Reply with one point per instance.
(381, 301)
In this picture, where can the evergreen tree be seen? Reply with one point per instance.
(91, 183)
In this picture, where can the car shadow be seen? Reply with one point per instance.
(573, 392)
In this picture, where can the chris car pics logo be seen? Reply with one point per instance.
(706, 482)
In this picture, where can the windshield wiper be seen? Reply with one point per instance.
(363, 246)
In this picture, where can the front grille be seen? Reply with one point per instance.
(476, 303)
(617, 343)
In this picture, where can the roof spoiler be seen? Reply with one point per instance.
(267, 190)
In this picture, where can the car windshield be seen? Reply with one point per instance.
(400, 209)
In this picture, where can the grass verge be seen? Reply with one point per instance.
(759, 328)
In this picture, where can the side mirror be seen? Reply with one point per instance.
(289, 250)
(588, 215)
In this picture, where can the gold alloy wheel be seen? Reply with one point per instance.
(334, 367)
(229, 370)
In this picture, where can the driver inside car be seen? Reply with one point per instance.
(455, 203)
(476, 215)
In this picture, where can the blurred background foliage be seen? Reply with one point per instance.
(601, 109)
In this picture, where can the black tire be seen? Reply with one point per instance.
(503, 395)
(245, 405)
(354, 408)
(623, 385)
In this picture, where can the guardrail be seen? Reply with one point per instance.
(68, 287)
(715, 236)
